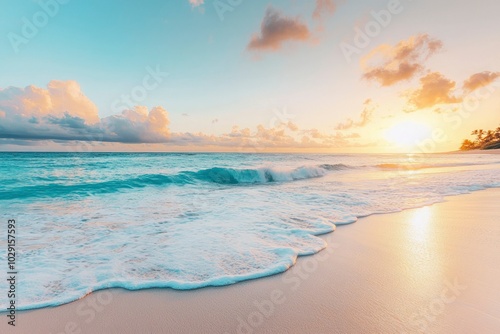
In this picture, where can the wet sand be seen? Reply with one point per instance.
(434, 269)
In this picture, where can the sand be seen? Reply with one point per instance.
(434, 269)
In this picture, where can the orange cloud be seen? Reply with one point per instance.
(480, 80)
(365, 118)
(435, 89)
(323, 7)
(277, 29)
(389, 65)
(59, 98)
(286, 136)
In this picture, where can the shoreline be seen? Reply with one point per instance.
(306, 296)
(491, 151)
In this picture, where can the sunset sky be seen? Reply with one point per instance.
(258, 76)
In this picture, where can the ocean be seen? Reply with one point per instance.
(90, 221)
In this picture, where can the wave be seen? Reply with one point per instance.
(205, 225)
(54, 187)
(256, 176)
(336, 167)
(216, 175)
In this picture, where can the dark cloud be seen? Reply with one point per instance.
(277, 29)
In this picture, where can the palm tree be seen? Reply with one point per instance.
(490, 136)
(479, 137)
(484, 139)
(467, 145)
(480, 134)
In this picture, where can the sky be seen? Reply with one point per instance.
(374, 76)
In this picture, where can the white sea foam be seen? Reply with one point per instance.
(224, 219)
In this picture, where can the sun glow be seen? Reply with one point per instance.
(407, 134)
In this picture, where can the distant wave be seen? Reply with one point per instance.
(336, 167)
(217, 175)
(416, 166)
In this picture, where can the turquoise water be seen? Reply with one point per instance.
(88, 221)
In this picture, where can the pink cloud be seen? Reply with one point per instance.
(324, 7)
(479, 80)
(63, 112)
(196, 3)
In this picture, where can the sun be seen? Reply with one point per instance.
(408, 134)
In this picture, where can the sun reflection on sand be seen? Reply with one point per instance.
(420, 224)
(422, 242)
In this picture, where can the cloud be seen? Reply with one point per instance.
(480, 80)
(62, 117)
(59, 98)
(389, 65)
(196, 3)
(364, 119)
(277, 29)
(63, 112)
(137, 126)
(292, 126)
(324, 7)
(435, 89)
(285, 136)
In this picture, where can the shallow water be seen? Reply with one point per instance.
(138, 220)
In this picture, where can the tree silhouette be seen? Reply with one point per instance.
(484, 140)
(467, 145)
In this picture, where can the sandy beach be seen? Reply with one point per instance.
(245, 167)
(432, 269)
